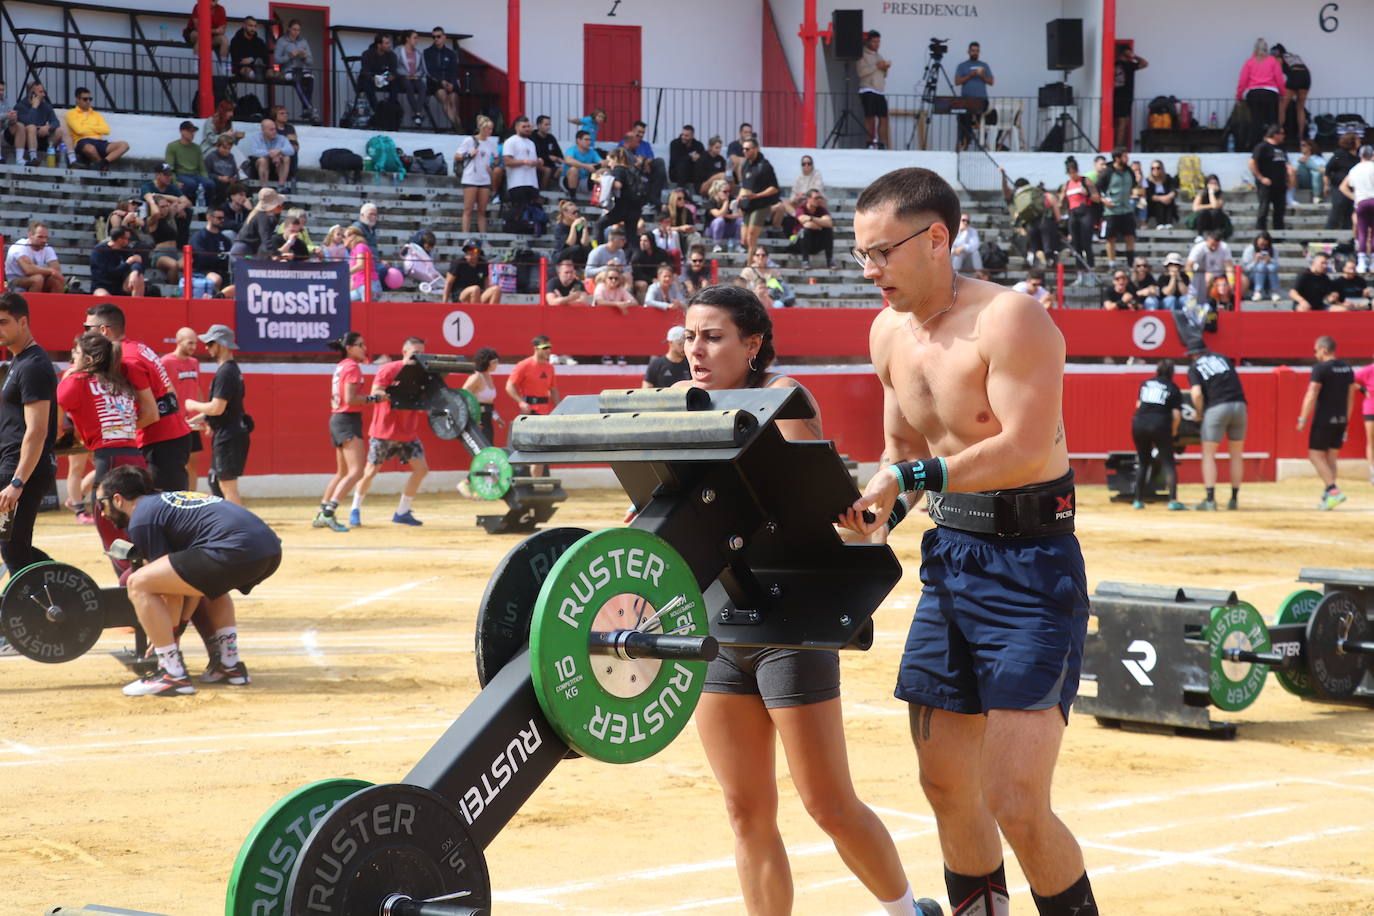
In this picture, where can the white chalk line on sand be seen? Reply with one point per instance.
(383, 593)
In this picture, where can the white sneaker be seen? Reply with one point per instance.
(1255, 296)
(1362, 264)
(1316, 200)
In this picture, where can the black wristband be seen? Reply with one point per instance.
(925, 474)
(899, 512)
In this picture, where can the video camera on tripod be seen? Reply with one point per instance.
(938, 48)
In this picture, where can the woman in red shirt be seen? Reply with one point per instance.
(100, 402)
(346, 400)
(1078, 195)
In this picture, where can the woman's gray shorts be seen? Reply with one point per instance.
(781, 677)
(1224, 421)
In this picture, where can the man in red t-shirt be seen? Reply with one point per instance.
(181, 364)
(163, 441)
(394, 434)
(219, 22)
(533, 387)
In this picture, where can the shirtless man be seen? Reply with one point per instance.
(972, 379)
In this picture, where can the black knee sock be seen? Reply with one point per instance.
(1076, 901)
(985, 895)
(1212, 493)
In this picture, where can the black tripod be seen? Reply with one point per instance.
(930, 88)
(847, 116)
(1066, 119)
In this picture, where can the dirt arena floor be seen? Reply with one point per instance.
(361, 654)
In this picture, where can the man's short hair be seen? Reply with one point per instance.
(518, 119)
(568, 261)
(1273, 131)
(541, 119)
(36, 224)
(689, 127)
(15, 304)
(911, 192)
(639, 124)
(129, 481)
(1118, 151)
(108, 315)
(1327, 343)
(1213, 234)
(1035, 273)
(414, 341)
(581, 134)
(974, 44)
(615, 231)
(874, 33)
(117, 233)
(540, 340)
(80, 91)
(746, 124)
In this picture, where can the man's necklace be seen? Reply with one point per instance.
(954, 298)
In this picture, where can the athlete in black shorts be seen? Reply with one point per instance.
(1158, 411)
(223, 413)
(196, 546)
(1329, 402)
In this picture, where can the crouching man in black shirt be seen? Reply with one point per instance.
(196, 546)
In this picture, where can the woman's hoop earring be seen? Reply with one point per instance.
(752, 367)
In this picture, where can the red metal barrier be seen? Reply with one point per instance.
(3, 249)
(543, 280)
(1059, 284)
(715, 271)
(188, 288)
(1236, 293)
(367, 275)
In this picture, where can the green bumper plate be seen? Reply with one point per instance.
(1297, 608)
(1235, 685)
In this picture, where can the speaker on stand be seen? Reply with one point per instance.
(847, 45)
(1063, 52)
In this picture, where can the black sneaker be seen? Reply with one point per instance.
(160, 684)
(217, 673)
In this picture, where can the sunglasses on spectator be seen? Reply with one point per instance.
(613, 276)
(697, 260)
(83, 98)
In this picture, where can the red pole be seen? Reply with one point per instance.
(543, 278)
(188, 287)
(1059, 285)
(715, 271)
(1237, 285)
(367, 275)
(810, 34)
(1106, 133)
(207, 61)
(515, 98)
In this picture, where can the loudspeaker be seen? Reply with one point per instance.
(847, 42)
(1056, 95)
(1064, 44)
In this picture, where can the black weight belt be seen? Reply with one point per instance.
(1038, 510)
(536, 400)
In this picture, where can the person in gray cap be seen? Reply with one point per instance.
(223, 413)
(670, 367)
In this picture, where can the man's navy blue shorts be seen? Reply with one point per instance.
(1000, 624)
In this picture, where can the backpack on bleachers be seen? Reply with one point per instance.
(995, 260)
(1027, 204)
(1163, 112)
(344, 161)
(1190, 180)
(387, 116)
(428, 162)
(386, 158)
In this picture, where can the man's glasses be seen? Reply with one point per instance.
(103, 502)
(878, 256)
(697, 260)
(92, 327)
(83, 98)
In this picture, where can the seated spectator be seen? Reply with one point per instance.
(1145, 286)
(116, 271)
(88, 132)
(1034, 286)
(168, 208)
(469, 277)
(260, 225)
(764, 293)
(645, 262)
(666, 292)
(188, 164)
(333, 247)
(217, 126)
(377, 70)
(763, 271)
(362, 266)
(1138, 199)
(1310, 169)
(682, 216)
(696, 272)
(1161, 197)
(288, 130)
(547, 151)
(579, 161)
(296, 67)
(1353, 288)
(222, 169)
(666, 237)
(210, 256)
(683, 155)
(1120, 296)
(723, 217)
(269, 153)
(219, 21)
(1209, 211)
(1221, 295)
(31, 263)
(1175, 282)
(37, 127)
(566, 288)
(574, 232)
(9, 122)
(248, 51)
(815, 230)
(734, 153)
(411, 76)
(711, 168)
(366, 223)
(965, 254)
(642, 157)
(613, 252)
(125, 213)
(236, 209)
(610, 290)
(1315, 290)
(289, 243)
(1261, 266)
(417, 262)
(441, 65)
(1206, 260)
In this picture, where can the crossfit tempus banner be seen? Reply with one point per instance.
(281, 306)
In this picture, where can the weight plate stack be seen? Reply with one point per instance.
(1235, 685)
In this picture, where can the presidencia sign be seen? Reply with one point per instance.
(286, 306)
